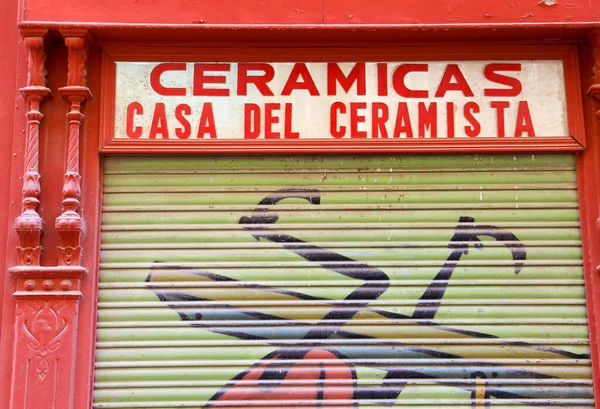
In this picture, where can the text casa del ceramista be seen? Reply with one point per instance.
(330, 100)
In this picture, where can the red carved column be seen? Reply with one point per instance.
(47, 297)
(29, 224)
(594, 90)
(69, 224)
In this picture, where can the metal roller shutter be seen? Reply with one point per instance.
(340, 282)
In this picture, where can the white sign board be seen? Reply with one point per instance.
(340, 100)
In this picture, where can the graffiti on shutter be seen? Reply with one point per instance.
(328, 365)
(343, 347)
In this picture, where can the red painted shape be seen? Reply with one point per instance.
(156, 84)
(458, 12)
(398, 81)
(178, 11)
(496, 73)
(321, 374)
(259, 81)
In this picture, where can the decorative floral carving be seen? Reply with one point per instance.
(29, 256)
(36, 76)
(77, 61)
(28, 223)
(69, 256)
(44, 327)
(31, 185)
(71, 189)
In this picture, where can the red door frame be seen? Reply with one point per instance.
(80, 382)
(321, 53)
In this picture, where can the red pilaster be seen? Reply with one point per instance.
(588, 176)
(47, 297)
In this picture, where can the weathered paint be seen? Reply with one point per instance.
(123, 21)
(342, 281)
(290, 12)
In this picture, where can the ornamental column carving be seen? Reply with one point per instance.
(69, 224)
(29, 224)
(43, 369)
(47, 297)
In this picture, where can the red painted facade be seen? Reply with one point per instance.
(311, 12)
(54, 113)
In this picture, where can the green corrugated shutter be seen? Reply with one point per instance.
(340, 282)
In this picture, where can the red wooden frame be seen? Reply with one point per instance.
(588, 175)
(566, 53)
(297, 12)
(91, 208)
(101, 109)
(582, 121)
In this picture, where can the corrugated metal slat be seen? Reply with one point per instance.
(341, 282)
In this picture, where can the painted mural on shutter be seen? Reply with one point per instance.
(342, 282)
